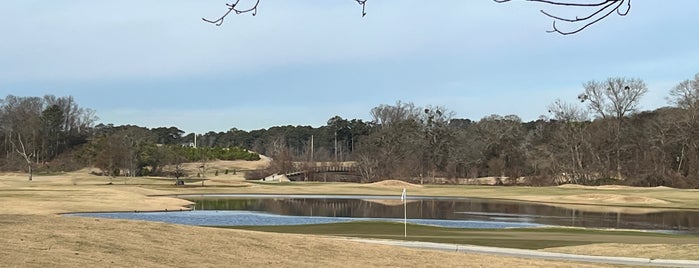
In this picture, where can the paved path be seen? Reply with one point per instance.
(523, 253)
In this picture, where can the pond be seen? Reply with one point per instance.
(246, 210)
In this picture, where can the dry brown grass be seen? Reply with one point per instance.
(33, 236)
(651, 251)
(238, 167)
(55, 241)
(222, 165)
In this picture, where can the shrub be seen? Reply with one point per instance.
(257, 174)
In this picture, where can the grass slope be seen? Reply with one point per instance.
(530, 238)
(56, 241)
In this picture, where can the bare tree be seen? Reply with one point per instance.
(112, 154)
(614, 99)
(685, 96)
(252, 9)
(21, 119)
(385, 115)
(593, 12)
(503, 138)
(26, 156)
(570, 141)
(394, 149)
(439, 140)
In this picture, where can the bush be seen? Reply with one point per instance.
(542, 180)
(258, 174)
(670, 180)
(145, 171)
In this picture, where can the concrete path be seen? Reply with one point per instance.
(523, 253)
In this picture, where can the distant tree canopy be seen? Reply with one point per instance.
(599, 138)
(138, 151)
(587, 12)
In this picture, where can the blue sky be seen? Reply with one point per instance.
(155, 63)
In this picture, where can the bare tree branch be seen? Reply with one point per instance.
(593, 12)
(233, 8)
(600, 11)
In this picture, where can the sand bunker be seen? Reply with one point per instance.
(662, 188)
(613, 187)
(609, 187)
(602, 187)
(276, 178)
(395, 183)
(573, 186)
(613, 198)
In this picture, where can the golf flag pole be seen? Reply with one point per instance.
(404, 197)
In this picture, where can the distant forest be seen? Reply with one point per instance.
(599, 138)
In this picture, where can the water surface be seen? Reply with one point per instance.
(256, 210)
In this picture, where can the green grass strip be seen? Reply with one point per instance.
(522, 238)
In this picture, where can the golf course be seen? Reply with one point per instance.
(36, 234)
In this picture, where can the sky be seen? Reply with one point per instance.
(156, 63)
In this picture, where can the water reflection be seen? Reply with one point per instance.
(455, 209)
(249, 218)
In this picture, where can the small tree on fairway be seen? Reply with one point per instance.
(27, 157)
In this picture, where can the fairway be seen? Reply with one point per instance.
(526, 238)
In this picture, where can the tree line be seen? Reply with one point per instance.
(36, 130)
(600, 137)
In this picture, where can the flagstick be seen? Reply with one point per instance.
(405, 218)
(404, 197)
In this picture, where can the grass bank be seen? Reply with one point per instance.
(56, 241)
(527, 238)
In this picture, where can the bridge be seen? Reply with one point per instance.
(322, 171)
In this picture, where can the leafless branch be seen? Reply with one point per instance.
(593, 12)
(363, 4)
(233, 8)
(600, 11)
(23, 153)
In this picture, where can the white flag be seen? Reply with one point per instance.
(403, 196)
